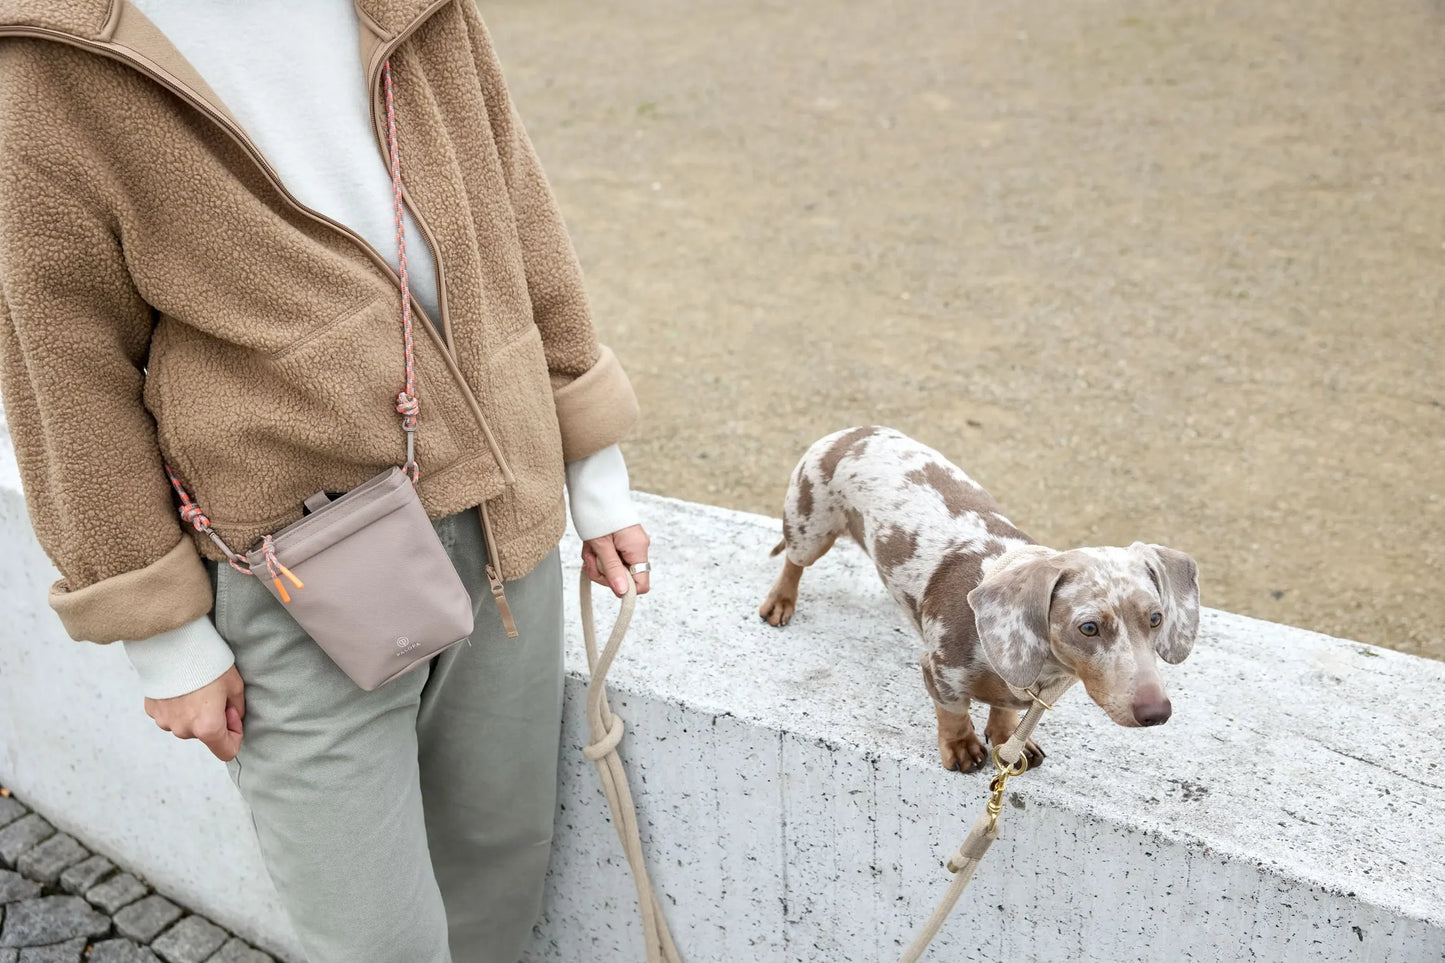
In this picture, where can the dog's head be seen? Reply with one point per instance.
(1101, 614)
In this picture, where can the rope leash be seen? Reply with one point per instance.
(1009, 761)
(607, 728)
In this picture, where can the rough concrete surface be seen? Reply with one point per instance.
(793, 806)
(1147, 270)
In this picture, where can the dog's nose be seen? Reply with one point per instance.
(1152, 713)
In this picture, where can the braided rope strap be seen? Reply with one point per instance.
(607, 728)
(407, 404)
(1009, 761)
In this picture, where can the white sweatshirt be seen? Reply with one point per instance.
(291, 75)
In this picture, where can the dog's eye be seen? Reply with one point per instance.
(1155, 619)
(1089, 628)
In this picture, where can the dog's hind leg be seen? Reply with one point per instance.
(811, 524)
(782, 600)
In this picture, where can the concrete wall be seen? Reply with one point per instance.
(1290, 810)
(76, 745)
(792, 802)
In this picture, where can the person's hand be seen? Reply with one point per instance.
(212, 714)
(606, 559)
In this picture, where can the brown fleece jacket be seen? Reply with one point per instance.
(162, 298)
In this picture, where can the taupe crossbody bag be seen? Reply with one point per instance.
(368, 577)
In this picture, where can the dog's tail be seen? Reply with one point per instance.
(778, 550)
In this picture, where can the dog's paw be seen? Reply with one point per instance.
(778, 609)
(1033, 754)
(962, 753)
(1000, 729)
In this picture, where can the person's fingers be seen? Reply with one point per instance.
(612, 568)
(225, 745)
(632, 545)
(234, 725)
(234, 714)
(631, 557)
(214, 732)
(211, 714)
(236, 693)
(589, 564)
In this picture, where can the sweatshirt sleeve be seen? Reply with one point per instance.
(596, 406)
(600, 494)
(181, 660)
(74, 337)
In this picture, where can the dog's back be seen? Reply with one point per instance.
(905, 503)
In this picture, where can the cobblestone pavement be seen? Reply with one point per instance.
(61, 903)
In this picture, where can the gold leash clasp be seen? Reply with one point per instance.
(999, 781)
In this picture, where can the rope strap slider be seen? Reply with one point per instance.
(1035, 695)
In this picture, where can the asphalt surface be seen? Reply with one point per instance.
(1171, 272)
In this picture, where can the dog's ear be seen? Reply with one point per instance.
(1011, 613)
(1177, 577)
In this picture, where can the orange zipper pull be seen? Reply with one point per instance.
(500, 594)
(273, 565)
(287, 572)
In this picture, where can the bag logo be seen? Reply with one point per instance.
(405, 645)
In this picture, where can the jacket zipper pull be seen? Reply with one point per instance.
(500, 594)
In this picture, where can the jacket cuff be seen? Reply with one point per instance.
(180, 661)
(596, 409)
(598, 492)
(169, 592)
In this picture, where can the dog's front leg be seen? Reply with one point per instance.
(958, 745)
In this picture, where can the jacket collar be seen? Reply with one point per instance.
(121, 29)
(97, 19)
(86, 19)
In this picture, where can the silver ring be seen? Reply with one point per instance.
(640, 568)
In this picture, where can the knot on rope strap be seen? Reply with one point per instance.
(408, 407)
(192, 513)
(608, 743)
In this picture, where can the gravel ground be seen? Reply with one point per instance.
(1146, 270)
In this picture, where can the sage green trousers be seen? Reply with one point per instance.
(411, 824)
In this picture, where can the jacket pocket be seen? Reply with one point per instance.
(524, 419)
(254, 433)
